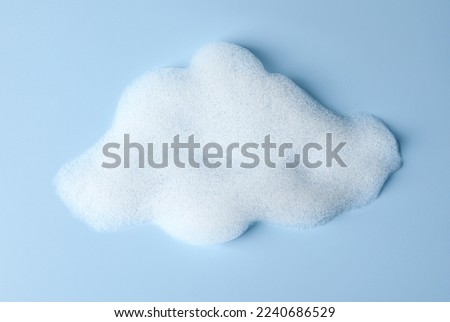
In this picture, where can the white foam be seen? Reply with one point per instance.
(226, 96)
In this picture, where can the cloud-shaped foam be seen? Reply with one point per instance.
(226, 96)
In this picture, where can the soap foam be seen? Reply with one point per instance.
(226, 96)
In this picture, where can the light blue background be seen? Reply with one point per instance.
(63, 66)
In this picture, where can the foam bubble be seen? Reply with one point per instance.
(226, 96)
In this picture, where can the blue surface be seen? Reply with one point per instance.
(63, 67)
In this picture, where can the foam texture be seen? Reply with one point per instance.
(226, 96)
